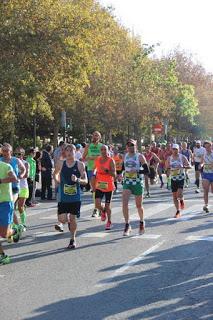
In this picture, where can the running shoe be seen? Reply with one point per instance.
(72, 244)
(161, 185)
(141, 227)
(59, 227)
(182, 204)
(197, 191)
(18, 229)
(4, 259)
(147, 195)
(108, 225)
(95, 213)
(206, 209)
(177, 215)
(127, 230)
(103, 215)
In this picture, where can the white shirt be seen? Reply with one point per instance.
(198, 153)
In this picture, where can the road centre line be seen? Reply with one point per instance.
(129, 264)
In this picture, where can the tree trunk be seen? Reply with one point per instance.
(55, 135)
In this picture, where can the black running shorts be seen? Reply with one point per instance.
(100, 194)
(177, 184)
(69, 207)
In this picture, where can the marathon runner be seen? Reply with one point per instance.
(161, 166)
(69, 174)
(104, 184)
(198, 153)
(18, 168)
(91, 152)
(133, 184)
(7, 176)
(188, 154)
(152, 162)
(168, 153)
(118, 158)
(207, 173)
(24, 191)
(175, 166)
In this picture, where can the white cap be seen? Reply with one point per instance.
(198, 142)
(175, 146)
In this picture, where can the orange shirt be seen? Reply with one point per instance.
(118, 162)
(104, 181)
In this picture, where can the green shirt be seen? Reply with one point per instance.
(32, 169)
(5, 188)
(94, 150)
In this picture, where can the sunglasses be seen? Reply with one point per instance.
(19, 154)
(130, 145)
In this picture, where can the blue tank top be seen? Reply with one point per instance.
(14, 164)
(186, 153)
(69, 191)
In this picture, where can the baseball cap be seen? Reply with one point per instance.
(78, 145)
(198, 142)
(132, 141)
(175, 146)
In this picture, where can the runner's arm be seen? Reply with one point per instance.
(144, 164)
(11, 177)
(22, 169)
(83, 179)
(112, 171)
(186, 163)
(27, 167)
(57, 171)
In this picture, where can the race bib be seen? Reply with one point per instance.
(70, 190)
(175, 172)
(131, 175)
(102, 185)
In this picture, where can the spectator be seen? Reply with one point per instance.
(31, 177)
(46, 173)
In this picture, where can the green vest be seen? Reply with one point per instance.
(94, 150)
(5, 188)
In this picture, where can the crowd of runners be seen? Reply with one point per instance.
(97, 168)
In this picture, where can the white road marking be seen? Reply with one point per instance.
(200, 238)
(94, 235)
(146, 236)
(129, 264)
(148, 212)
(47, 234)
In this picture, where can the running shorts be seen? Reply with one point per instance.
(24, 193)
(90, 174)
(6, 213)
(100, 194)
(197, 166)
(136, 190)
(69, 207)
(207, 176)
(177, 184)
(152, 173)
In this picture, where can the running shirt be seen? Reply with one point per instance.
(198, 153)
(132, 167)
(68, 190)
(149, 158)
(118, 162)
(94, 150)
(186, 153)
(176, 168)
(5, 188)
(208, 162)
(14, 164)
(104, 181)
(23, 182)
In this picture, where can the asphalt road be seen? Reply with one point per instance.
(164, 274)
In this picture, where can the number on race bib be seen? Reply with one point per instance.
(131, 175)
(70, 190)
(102, 185)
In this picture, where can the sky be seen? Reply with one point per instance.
(187, 24)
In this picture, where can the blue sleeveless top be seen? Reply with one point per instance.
(69, 191)
(14, 164)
